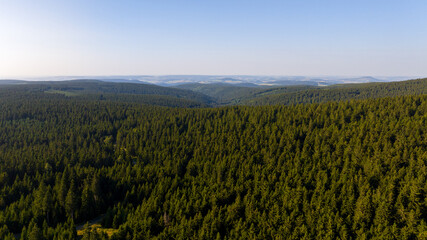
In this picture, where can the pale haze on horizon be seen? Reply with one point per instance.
(51, 38)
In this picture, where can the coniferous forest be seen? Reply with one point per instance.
(168, 166)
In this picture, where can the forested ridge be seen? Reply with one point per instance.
(228, 94)
(289, 95)
(107, 91)
(213, 95)
(342, 92)
(350, 169)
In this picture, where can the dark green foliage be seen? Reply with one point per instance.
(107, 91)
(226, 94)
(309, 94)
(334, 170)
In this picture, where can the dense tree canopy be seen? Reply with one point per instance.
(308, 94)
(351, 169)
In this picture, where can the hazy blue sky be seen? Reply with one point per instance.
(312, 37)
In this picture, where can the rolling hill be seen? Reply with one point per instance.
(343, 92)
(110, 91)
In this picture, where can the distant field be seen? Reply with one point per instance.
(65, 93)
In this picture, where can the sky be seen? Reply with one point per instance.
(222, 37)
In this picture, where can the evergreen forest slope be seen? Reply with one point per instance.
(108, 91)
(213, 95)
(227, 94)
(294, 95)
(348, 169)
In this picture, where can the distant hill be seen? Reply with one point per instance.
(127, 92)
(123, 81)
(11, 81)
(228, 94)
(215, 94)
(222, 93)
(339, 93)
(237, 80)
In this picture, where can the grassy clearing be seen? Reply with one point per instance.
(66, 93)
(99, 229)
